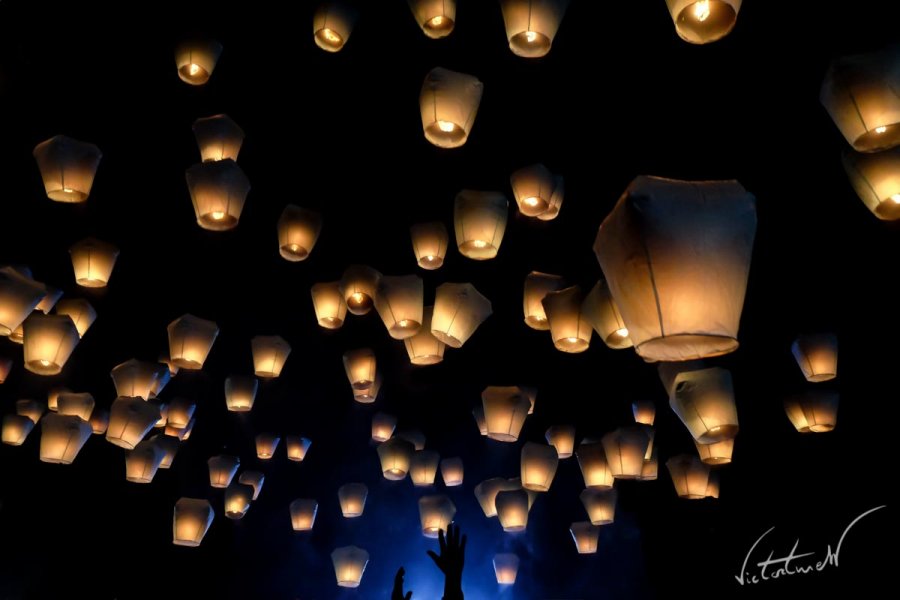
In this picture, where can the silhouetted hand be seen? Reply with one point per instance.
(450, 561)
(397, 594)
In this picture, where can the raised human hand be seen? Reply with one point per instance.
(397, 594)
(451, 560)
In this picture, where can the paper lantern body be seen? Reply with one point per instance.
(449, 103)
(168, 445)
(99, 421)
(222, 469)
(370, 394)
(360, 367)
(332, 24)
(80, 311)
(600, 310)
(600, 505)
(49, 300)
(180, 412)
(266, 443)
(49, 341)
(237, 500)
(625, 449)
(423, 467)
(817, 356)
(586, 535)
(359, 285)
(328, 304)
(689, 475)
(813, 412)
(480, 421)
(67, 167)
(452, 471)
(429, 241)
(538, 465)
(191, 521)
(424, 348)
(717, 453)
(190, 340)
(704, 401)
(240, 393)
(435, 514)
(594, 467)
(479, 220)
(16, 429)
(134, 378)
(254, 479)
(395, 455)
(486, 493)
(512, 509)
(270, 352)
(349, 565)
(129, 421)
(399, 304)
(505, 410)
(458, 311)
(218, 191)
(531, 25)
(533, 188)
(650, 469)
(435, 17)
(644, 412)
(352, 497)
(62, 437)
(703, 21)
(218, 138)
(303, 514)
(383, 426)
(538, 285)
(32, 409)
(5, 367)
(142, 463)
(569, 330)
(556, 200)
(876, 180)
(19, 295)
(196, 59)
(561, 437)
(80, 405)
(506, 566)
(297, 447)
(298, 232)
(93, 262)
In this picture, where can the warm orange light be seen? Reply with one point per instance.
(479, 243)
(531, 36)
(881, 129)
(331, 36)
(622, 332)
(436, 22)
(701, 10)
(896, 198)
(193, 69)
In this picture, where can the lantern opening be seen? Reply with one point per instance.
(705, 21)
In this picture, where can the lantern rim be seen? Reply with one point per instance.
(326, 43)
(699, 346)
(530, 44)
(719, 23)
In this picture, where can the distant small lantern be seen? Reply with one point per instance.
(360, 367)
(352, 497)
(876, 180)
(676, 256)
(303, 514)
(240, 393)
(266, 443)
(644, 412)
(370, 394)
(297, 447)
(452, 471)
(717, 453)
(32, 409)
(99, 421)
(142, 463)
(505, 410)
(80, 405)
(435, 17)
(533, 188)
(49, 341)
(556, 200)
(222, 469)
(395, 456)
(569, 329)
(506, 566)
(480, 221)
(594, 467)
(600, 505)
(538, 285)
(423, 467)
(458, 311)
(129, 421)
(512, 509)
(449, 103)
(424, 348)
(538, 466)
(531, 25)
(67, 167)
(703, 21)
(561, 437)
(349, 565)
(182, 434)
(196, 59)
(237, 500)
(19, 295)
(586, 535)
(218, 138)
(383, 426)
(255, 480)
(399, 304)
(163, 377)
(414, 437)
(181, 411)
(625, 449)
(93, 262)
(5, 367)
(358, 285)
(429, 241)
(817, 356)
(190, 340)
(49, 300)
(53, 397)
(329, 305)
(62, 437)
(486, 493)
(480, 421)
(269, 355)
(16, 429)
(860, 94)
(134, 378)
(815, 411)
(650, 470)
(191, 521)
(218, 191)
(435, 514)
(168, 445)
(704, 401)
(601, 312)
(332, 25)
(80, 311)
(712, 486)
(689, 475)
(298, 232)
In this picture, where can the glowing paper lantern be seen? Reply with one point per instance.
(93, 262)
(32, 409)
(240, 393)
(269, 355)
(254, 479)
(717, 453)
(625, 449)
(531, 25)
(689, 475)
(358, 286)
(586, 535)
(218, 191)
(222, 469)
(129, 421)
(67, 167)
(860, 94)
(329, 305)
(173, 368)
(449, 103)
(712, 486)
(650, 469)
(80, 311)
(452, 471)
(435, 17)
(594, 467)
(168, 445)
(395, 456)
(458, 311)
(486, 493)
(703, 21)
(49, 341)
(562, 438)
(383, 426)
(349, 565)
(369, 394)
(237, 500)
(99, 421)
(435, 514)
(62, 437)
(19, 295)
(676, 255)
(134, 378)
(266, 443)
(196, 59)
(512, 509)
(298, 232)
(352, 497)
(399, 304)
(218, 138)
(80, 405)
(303, 514)
(533, 188)
(600, 505)
(49, 300)
(414, 437)
(478, 413)
(191, 521)
(569, 329)
(53, 397)
(423, 467)
(505, 409)
(556, 200)
(332, 25)
(180, 413)
(429, 242)
(814, 411)
(5, 367)
(297, 447)
(876, 180)
(360, 366)
(190, 340)
(538, 464)
(704, 401)
(182, 434)
(601, 312)
(16, 429)
(644, 412)
(424, 348)
(480, 221)
(538, 285)
(17, 336)
(506, 566)
(817, 356)
(142, 463)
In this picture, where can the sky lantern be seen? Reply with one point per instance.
(703, 21)
(815, 411)
(129, 421)
(266, 443)
(370, 394)
(594, 467)
(191, 521)
(704, 401)
(180, 413)
(424, 348)
(218, 138)
(533, 188)
(303, 514)
(62, 437)
(556, 200)
(190, 340)
(19, 295)
(423, 467)
(93, 262)
(196, 59)
(505, 410)
(360, 367)
(32, 409)
(222, 469)
(689, 475)
(625, 449)
(479, 220)
(237, 500)
(142, 463)
(240, 393)
(255, 480)
(876, 180)
(429, 241)
(49, 300)
(383, 426)
(49, 341)
(99, 421)
(538, 466)
(358, 286)
(5, 367)
(586, 535)
(712, 486)
(600, 310)
(650, 470)
(644, 411)
(600, 505)
(561, 437)
(17, 336)
(269, 355)
(80, 311)
(395, 456)
(168, 445)
(435, 514)
(531, 25)
(218, 192)
(67, 167)
(163, 414)
(512, 509)
(352, 497)
(399, 302)
(480, 422)
(486, 493)
(676, 256)
(452, 471)
(332, 24)
(134, 378)
(297, 447)
(458, 311)
(53, 397)
(538, 285)
(569, 329)
(182, 434)
(817, 356)
(80, 405)
(435, 17)
(717, 453)
(298, 232)
(506, 566)
(16, 429)
(328, 304)
(449, 103)
(349, 565)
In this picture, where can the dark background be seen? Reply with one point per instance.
(618, 96)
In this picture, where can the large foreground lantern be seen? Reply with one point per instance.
(129, 421)
(531, 25)
(222, 469)
(303, 514)
(435, 514)
(479, 220)
(399, 304)
(703, 21)
(424, 348)
(328, 304)
(435, 17)
(270, 352)
(191, 521)
(448, 103)
(196, 59)
(458, 311)
(240, 393)
(860, 94)
(80, 311)
(332, 24)
(93, 262)
(15, 429)
(561, 437)
(297, 447)
(142, 463)
(876, 180)
(512, 509)
(360, 367)
(452, 471)
(349, 565)
(352, 497)
(533, 188)
(601, 312)
(704, 401)
(676, 256)
(80, 405)
(600, 505)
(218, 191)
(254, 479)
(817, 356)
(298, 232)
(689, 475)
(67, 167)
(586, 535)
(218, 138)
(19, 295)
(505, 410)
(570, 331)
(815, 411)
(237, 500)
(266, 443)
(49, 341)
(429, 241)
(594, 467)
(383, 426)
(538, 285)
(423, 467)
(134, 378)
(395, 456)
(358, 286)
(625, 449)
(190, 340)
(506, 566)
(717, 453)
(62, 437)
(538, 466)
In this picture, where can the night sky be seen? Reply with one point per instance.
(619, 95)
